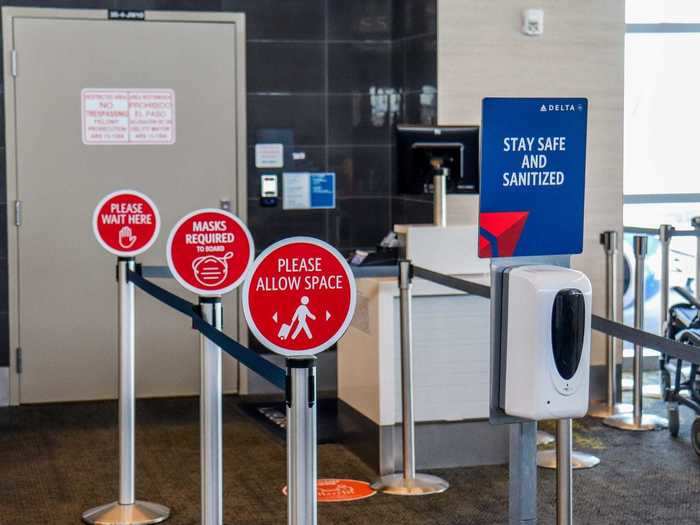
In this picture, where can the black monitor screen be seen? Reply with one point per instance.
(420, 148)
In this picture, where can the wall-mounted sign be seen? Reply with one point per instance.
(533, 165)
(126, 223)
(269, 155)
(128, 116)
(304, 191)
(299, 297)
(210, 251)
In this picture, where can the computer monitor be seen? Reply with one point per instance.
(421, 148)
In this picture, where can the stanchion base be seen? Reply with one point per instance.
(544, 438)
(140, 513)
(579, 460)
(421, 485)
(626, 422)
(602, 410)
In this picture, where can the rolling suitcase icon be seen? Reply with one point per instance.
(284, 331)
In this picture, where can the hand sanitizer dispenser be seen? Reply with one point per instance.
(547, 336)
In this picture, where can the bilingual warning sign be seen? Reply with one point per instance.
(299, 297)
(210, 251)
(126, 223)
(128, 116)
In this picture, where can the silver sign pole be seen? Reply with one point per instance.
(128, 510)
(564, 473)
(301, 441)
(210, 400)
(408, 483)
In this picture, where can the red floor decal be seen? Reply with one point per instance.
(338, 490)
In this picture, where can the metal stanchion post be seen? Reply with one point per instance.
(210, 425)
(695, 221)
(637, 420)
(564, 477)
(440, 198)
(301, 441)
(665, 235)
(128, 510)
(610, 407)
(408, 483)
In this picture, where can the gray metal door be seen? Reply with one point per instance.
(63, 295)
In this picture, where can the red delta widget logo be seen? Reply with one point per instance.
(299, 297)
(499, 232)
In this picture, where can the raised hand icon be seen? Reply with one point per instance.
(126, 237)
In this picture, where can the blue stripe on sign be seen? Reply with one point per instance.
(493, 241)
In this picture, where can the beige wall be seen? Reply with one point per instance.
(481, 52)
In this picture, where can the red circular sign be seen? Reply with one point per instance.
(126, 223)
(299, 298)
(209, 251)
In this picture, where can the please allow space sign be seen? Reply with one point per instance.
(128, 116)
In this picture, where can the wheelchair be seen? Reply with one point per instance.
(680, 384)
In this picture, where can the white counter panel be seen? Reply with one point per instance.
(450, 358)
(451, 353)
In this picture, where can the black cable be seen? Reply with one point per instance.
(453, 282)
(246, 356)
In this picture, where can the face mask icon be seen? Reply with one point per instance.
(211, 270)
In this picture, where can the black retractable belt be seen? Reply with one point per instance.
(645, 339)
(245, 356)
(600, 324)
(453, 282)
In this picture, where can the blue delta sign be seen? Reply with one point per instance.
(533, 166)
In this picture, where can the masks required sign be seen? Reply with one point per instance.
(532, 176)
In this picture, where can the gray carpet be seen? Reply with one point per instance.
(58, 460)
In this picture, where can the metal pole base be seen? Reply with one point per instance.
(626, 422)
(141, 512)
(602, 410)
(579, 460)
(421, 485)
(544, 438)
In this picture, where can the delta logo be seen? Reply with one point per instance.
(547, 108)
(499, 233)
